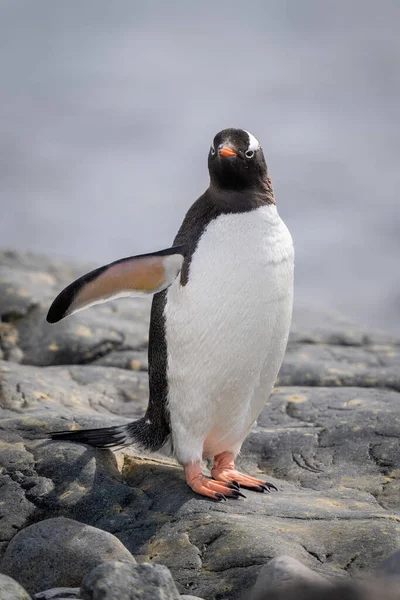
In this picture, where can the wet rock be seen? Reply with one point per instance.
(59, 552)
(283, 572)
(129, 582)
(11, 590)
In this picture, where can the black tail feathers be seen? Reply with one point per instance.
(106, 437)
(142, 433)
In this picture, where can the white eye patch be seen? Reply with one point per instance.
(254, 144)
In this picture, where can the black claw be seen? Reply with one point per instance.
(236, 483)
(219, 496)
(264, 488)
(233, 486)
(271, 486)
(236, 494)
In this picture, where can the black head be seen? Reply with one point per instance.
(236, 161)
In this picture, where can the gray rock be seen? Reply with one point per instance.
(129, 582)
(185, 597)
(28, 284)
(59, 552)
(374, 590)
(60, 593)
(283, 572)
(11, 590)
(328, 438)
(72, 390)
(15, 509)
(390, 566)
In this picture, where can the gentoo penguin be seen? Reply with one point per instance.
(219, 325)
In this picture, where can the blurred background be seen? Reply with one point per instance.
(107, 111)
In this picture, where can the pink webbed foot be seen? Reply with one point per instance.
(224, 470)
(207, 487)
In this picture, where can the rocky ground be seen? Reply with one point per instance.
(328, 438)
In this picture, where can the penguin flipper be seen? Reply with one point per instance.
(133, 276)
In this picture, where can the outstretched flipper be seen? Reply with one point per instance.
(134, 276)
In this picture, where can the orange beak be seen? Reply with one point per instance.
(225, 151)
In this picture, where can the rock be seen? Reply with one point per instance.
(71, 390)
(59, 552)
(374, 590)
(390, 566)
(11, 590)
(283, 572)
(328, 438)
(28, 284)
(185, 597)
(16, 510)
(129, 582)
(59, 593)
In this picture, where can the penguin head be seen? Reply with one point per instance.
(236, 160)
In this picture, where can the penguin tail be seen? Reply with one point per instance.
(141, 433)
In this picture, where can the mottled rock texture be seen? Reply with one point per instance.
(328, 438)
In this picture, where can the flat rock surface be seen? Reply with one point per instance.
(328, 438)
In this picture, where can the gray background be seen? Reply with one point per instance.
(107, 110)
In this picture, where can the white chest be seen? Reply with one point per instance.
(227, 328)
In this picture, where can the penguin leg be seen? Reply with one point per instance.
(207, 487)
(224, 470)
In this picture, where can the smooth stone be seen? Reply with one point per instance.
(284, 572)
(11, 589)
(59, 552)
(390, 567)
(129, 582)
(373, 590)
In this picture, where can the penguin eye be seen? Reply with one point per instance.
(249, 153)
(212, 150)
